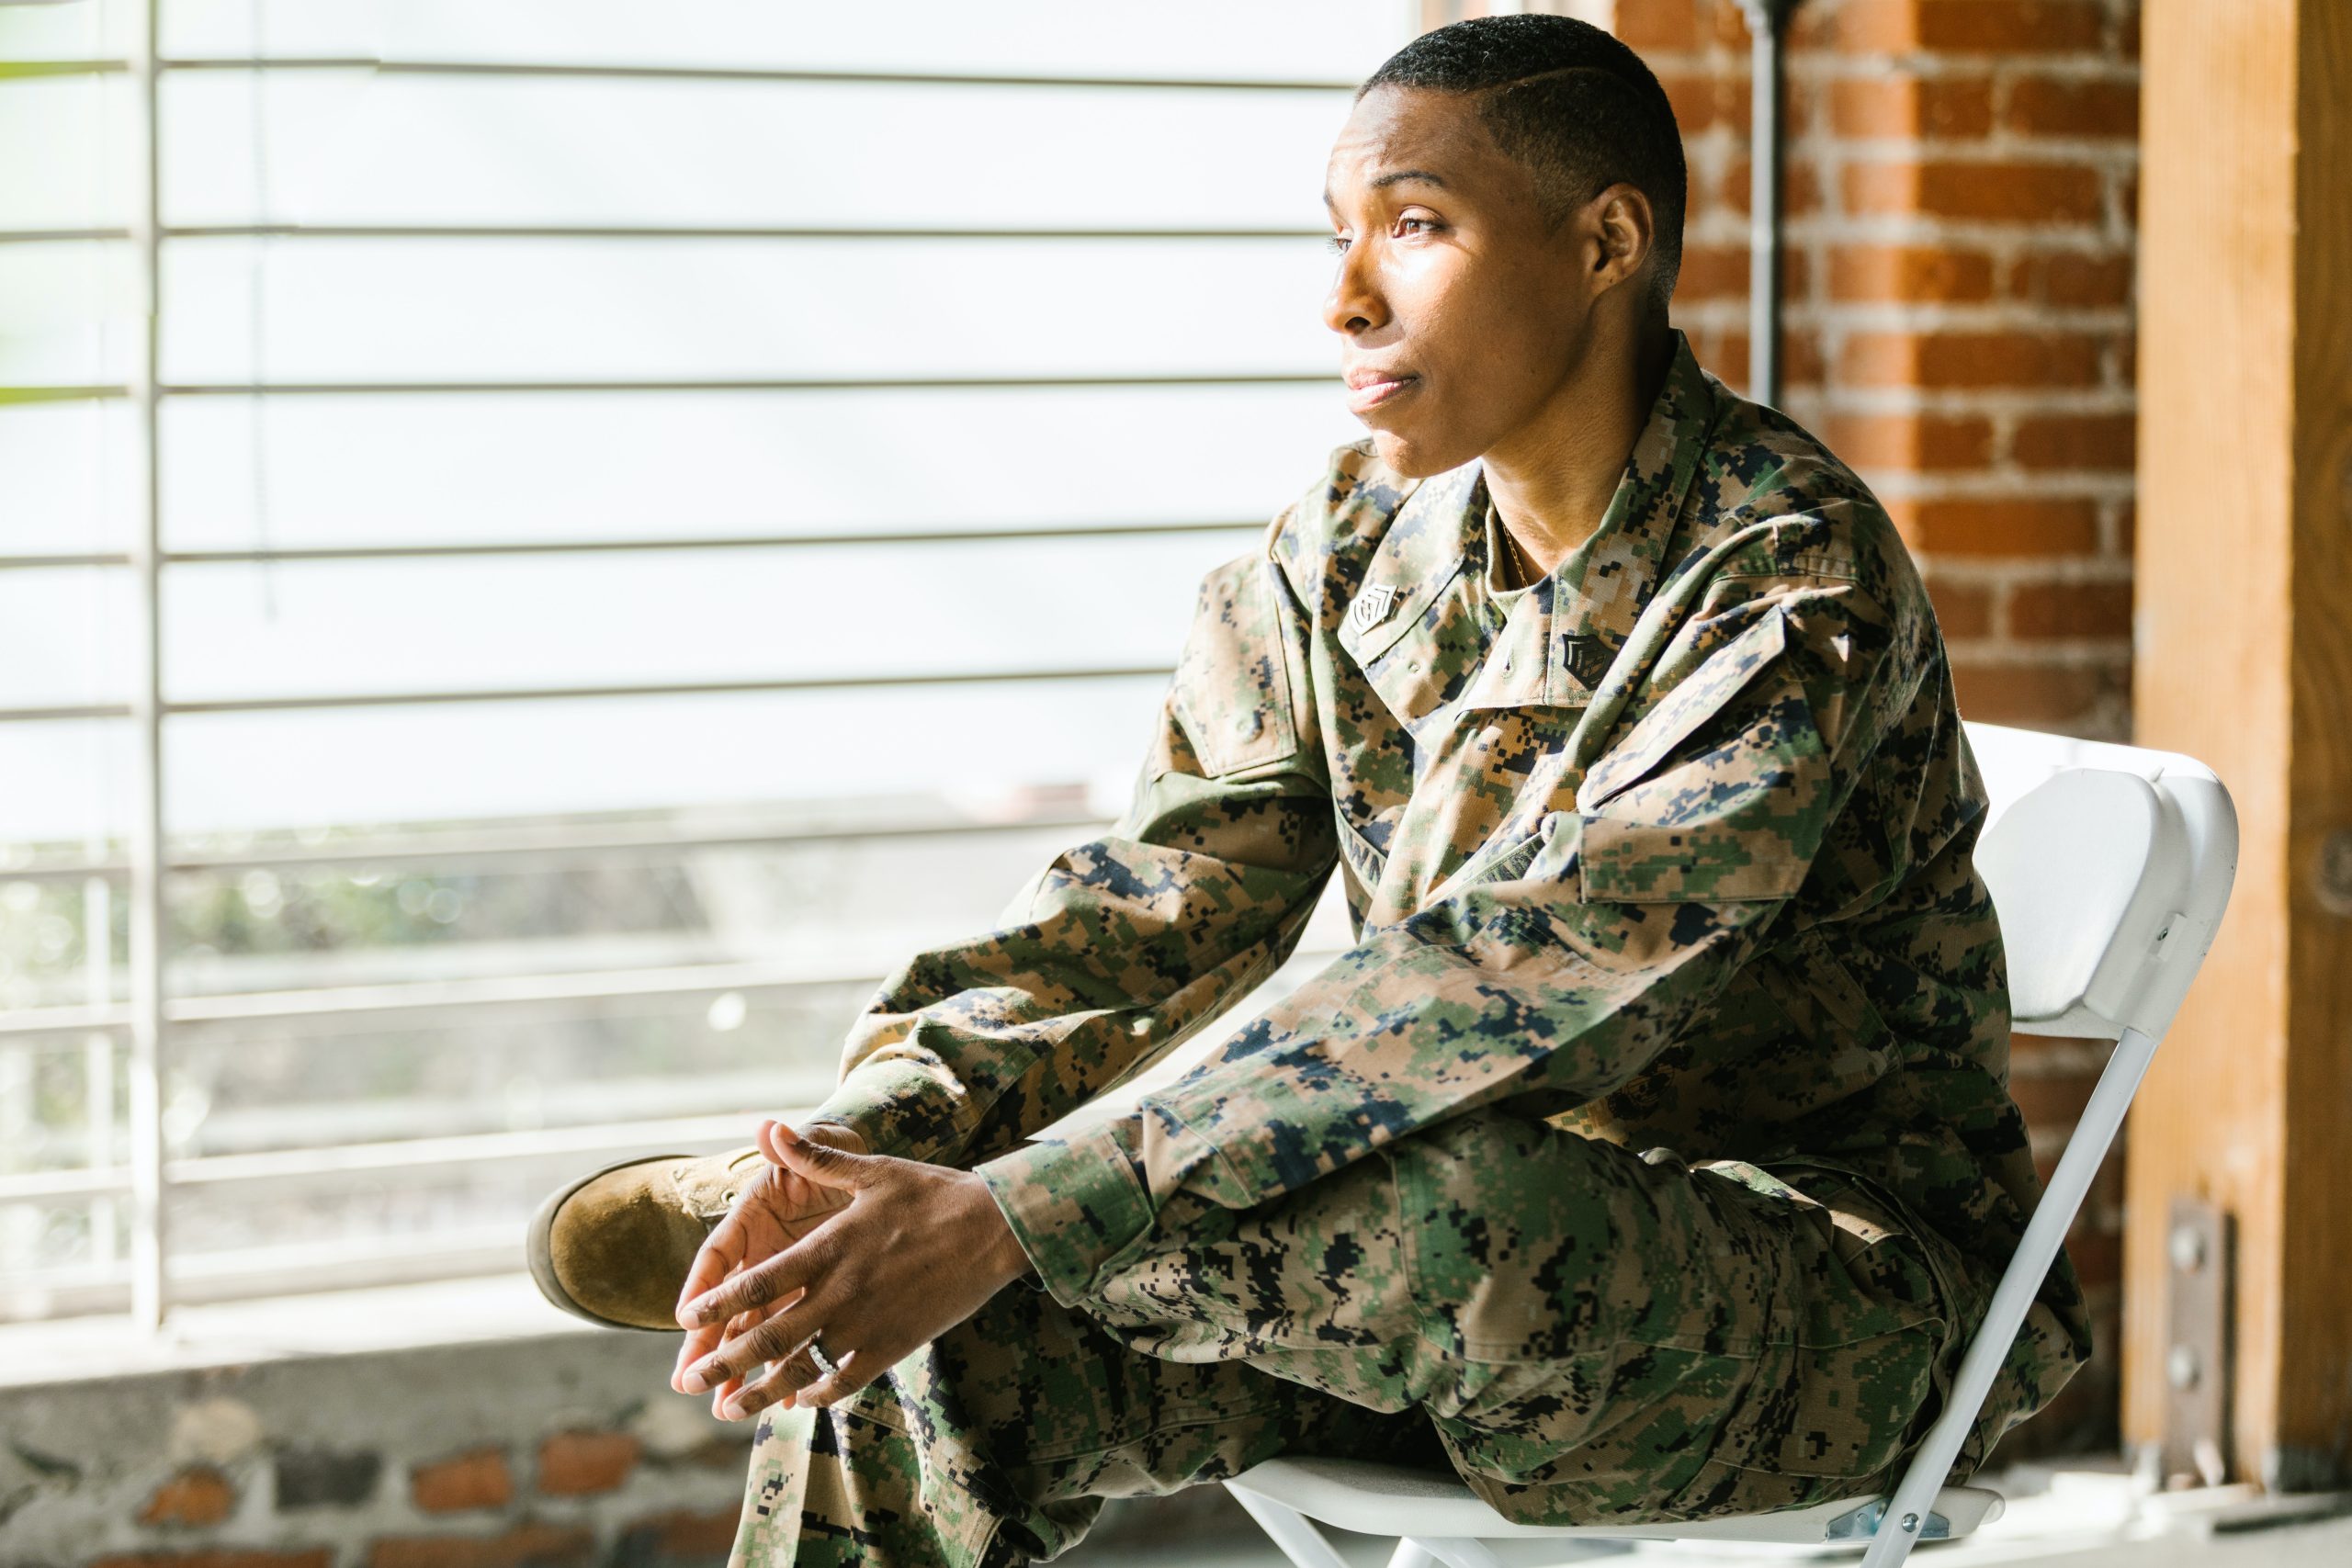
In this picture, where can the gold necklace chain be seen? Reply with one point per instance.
(1520, 559)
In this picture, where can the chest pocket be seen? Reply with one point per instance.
(1233, 680)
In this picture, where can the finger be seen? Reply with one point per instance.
(771, 1338)
(725, 1391)
(852, 1369)
(699, 1342)
(749, 1344)
(766, 1135)
(763, 1283)
(821, 1163)
(778, 1384)
(720, 1251)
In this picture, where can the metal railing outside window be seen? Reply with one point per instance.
(336, 331)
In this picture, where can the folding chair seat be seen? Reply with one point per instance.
(2109, 867)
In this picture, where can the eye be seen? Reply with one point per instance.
(1429, 224)
(1337, 244)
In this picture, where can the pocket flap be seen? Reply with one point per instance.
(1697, 698)
(1233, 688)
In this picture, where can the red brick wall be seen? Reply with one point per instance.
(1962, 180)
(1961, 186)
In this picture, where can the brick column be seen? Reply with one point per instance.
(1962, 186)
(1962, 221)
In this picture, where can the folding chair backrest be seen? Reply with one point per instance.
(2108, 866)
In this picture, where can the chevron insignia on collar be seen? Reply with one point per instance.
(1371, 605)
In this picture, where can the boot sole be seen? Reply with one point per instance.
(538, 1246)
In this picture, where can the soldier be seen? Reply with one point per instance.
(1648, 1156)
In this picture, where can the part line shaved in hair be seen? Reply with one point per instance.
(1571, 103)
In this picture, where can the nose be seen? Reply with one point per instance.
(1354, 304)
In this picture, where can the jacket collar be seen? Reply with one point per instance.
(1563, 637)
(1414, 560)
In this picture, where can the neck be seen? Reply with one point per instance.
(1553, 480)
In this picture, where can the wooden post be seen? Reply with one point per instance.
(2243, 659)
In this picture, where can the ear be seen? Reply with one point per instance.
(1621, 230)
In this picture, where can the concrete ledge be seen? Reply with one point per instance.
(325, 1322)
(364, 1428)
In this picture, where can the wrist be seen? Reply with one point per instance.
(1003, 1257)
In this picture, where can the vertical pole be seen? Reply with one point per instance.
(1768, 22)
(149, 1297)
(97, 1052)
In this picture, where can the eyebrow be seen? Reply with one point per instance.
(1394, 177)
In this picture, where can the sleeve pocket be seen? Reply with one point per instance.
(1233, 690)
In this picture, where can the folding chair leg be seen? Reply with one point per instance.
(1290, 1530)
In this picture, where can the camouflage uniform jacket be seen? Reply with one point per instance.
(1672, 847)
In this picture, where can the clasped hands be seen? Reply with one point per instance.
(870, 1257)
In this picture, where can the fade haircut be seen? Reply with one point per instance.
(1570, 102)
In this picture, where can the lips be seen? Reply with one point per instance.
(1368, 389)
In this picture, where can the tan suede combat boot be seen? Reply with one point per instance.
(614, 1246)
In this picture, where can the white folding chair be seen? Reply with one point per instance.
(2109, 866)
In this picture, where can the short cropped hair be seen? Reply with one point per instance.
(1570, 102)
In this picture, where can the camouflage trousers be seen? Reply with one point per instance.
(1582, 1332)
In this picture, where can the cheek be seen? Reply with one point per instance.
(1502, 325)
(1525, 325)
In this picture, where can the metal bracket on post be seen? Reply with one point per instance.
(2199, 1251)
(1768, 26)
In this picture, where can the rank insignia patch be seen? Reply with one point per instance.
(1585, 657)
(1373, 605)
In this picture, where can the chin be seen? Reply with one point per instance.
(1410, 457)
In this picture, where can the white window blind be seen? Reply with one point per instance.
(655, 512)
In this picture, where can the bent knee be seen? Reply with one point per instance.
(1528, 1243)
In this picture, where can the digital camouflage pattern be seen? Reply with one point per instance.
(1669, 852)
(1487, 1291)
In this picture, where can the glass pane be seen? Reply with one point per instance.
(84, 29)
(1336, 39)
(296, 1086)
(83, 176)
(69, 477)
(346, 148)
(62, 1104)
(972, 744)
(289, 29)
(70, 313)
(645, 617)
(836, 914)
(453, 311)
(67, 636)
(638, 466)
(69, 784)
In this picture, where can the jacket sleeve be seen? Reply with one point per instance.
(1126, 944)
(1554, 967)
